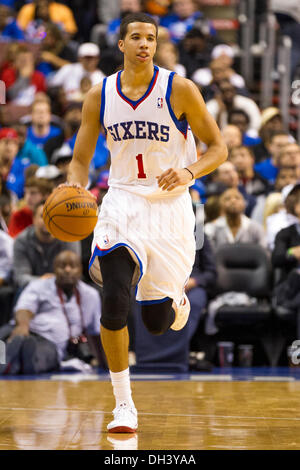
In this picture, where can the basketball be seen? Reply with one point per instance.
(70, 214)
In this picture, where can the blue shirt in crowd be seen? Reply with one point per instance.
(33, 154)
(267, 170)
(12, 32)
(16, 177)
(40, 141)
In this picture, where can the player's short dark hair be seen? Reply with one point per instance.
(135, 18)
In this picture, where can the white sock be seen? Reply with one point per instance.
(121, 387)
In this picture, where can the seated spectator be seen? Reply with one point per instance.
(271, 121)
(6, 208)
(27, 150)
(243, 160)
(285, 216)
(21, 79)
(287, 175)
(226, 100)
(35, 249)
(36, 190)
(6, 258)
(233, 226)
(227, 176)
(11, 168)
(167, 56)
(113, 27)
(239, 118)
(232, 136)
(32, 15)
(9, 28)
(70, 76)
(66, 140)
(41, 129)
(55, 51)
(182, 19)
(286, 257)
(289, 156)
(220, 68)
(268, 168)
(52, 315)
(195, 50)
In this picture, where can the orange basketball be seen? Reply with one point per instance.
(70, 214)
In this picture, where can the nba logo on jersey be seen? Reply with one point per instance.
(105, 239)
(160, 102)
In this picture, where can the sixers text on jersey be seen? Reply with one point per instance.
(139, 130)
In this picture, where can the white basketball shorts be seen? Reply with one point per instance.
(159, 235)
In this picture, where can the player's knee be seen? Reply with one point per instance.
(158, 318)
(115, 307)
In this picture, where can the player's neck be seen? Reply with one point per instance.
(136, 76)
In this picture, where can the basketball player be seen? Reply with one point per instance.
(146, 112)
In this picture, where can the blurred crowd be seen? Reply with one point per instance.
(51, 54)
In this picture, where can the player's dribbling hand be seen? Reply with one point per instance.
(172, 178)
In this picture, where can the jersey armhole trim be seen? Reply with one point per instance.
(102, 107)
(182, 126)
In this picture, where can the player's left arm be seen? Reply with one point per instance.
(187, 102)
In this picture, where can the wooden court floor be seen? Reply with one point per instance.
(174, 415)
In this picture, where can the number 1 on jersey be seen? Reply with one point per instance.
(141, 173)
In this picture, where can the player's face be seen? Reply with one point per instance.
(139, 44)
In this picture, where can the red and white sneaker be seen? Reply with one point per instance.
(125, 419)
(181, 313)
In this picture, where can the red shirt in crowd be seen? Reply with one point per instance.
(19, 221)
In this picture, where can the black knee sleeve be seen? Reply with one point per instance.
(117, 269)
(159, 317)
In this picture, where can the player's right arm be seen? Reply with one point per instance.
(86, 138)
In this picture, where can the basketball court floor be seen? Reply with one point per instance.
(225, 409)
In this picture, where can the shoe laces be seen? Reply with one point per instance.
(122, 410)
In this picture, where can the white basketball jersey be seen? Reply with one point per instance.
(144, 137)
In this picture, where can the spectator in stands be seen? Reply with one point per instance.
(36, 190)
(9, 28)
(167, 56)
(233, 226)
(11, 168)
(51, 315)
(30, 17)
(219, 69)
(271, 121)
(285, 216)
(6, 258)
(286, 175)
(70, 76)
(27, 150)
(21, 79)
(195, 50)
(286, 257)
(55, 51)
(232, 136)
(226, 100)
(6, 207)
(290, 157)
(72, 120)
(239, 118)
(268, 168)
(227, 176)
(243, 160)
(113, 27)
(182, 19)
(35, 249)
(41, 130)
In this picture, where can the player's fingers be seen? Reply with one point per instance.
(164, 175)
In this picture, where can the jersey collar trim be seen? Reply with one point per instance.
(135, 104)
